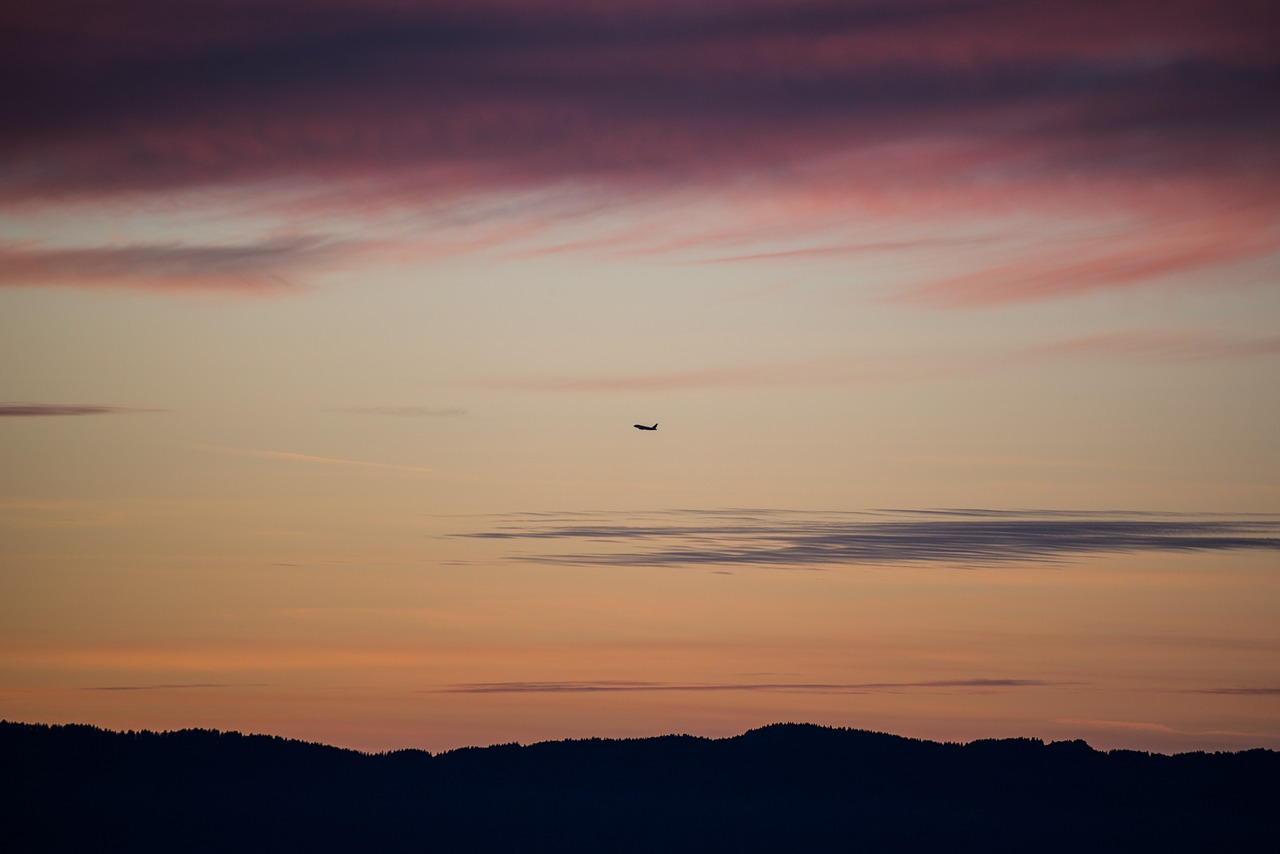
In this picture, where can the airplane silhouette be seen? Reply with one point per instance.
(642, 427)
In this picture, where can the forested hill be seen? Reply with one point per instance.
(786, 787)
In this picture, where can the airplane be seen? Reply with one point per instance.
(642, 427)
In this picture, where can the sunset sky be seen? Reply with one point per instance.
(324, 325)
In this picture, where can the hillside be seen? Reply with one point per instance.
(786, 787)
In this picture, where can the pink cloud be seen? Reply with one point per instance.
(822, 113)
(1131, 258)
(1176, 344)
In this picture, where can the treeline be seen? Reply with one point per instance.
(787, 787)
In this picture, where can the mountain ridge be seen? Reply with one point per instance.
(778, 787)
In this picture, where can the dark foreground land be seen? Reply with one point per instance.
(786, 787)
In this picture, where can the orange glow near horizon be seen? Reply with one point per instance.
(322, 336)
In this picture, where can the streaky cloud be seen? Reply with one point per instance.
(1143, 726)
(845, 249)
(613, 686)
(1241, 692)
(1162, 344)
(292, 456)
(567, 89)
(826, 112)
(971, 538)
(1151, 345)
(812, 372)
(44, 410)
(175, 686)
(406, 411)
(1141, 256)
(256, 267)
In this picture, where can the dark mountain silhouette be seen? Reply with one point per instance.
(786, 787)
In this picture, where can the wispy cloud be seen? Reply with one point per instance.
(829, 108)
(613, 686)
(292, 456)
(805, 539)
(173, 687)
(1165, 344)
(1158, 728)
(1141, 726)
(406, 411)
(1241, 692)
(259, 267)
(1134, 345)
(832, 371)
(42, 410)
(847, 249)
(1142, 256)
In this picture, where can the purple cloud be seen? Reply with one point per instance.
(1160, 112)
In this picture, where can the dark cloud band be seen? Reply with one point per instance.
(132, 96)
(799, 539)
